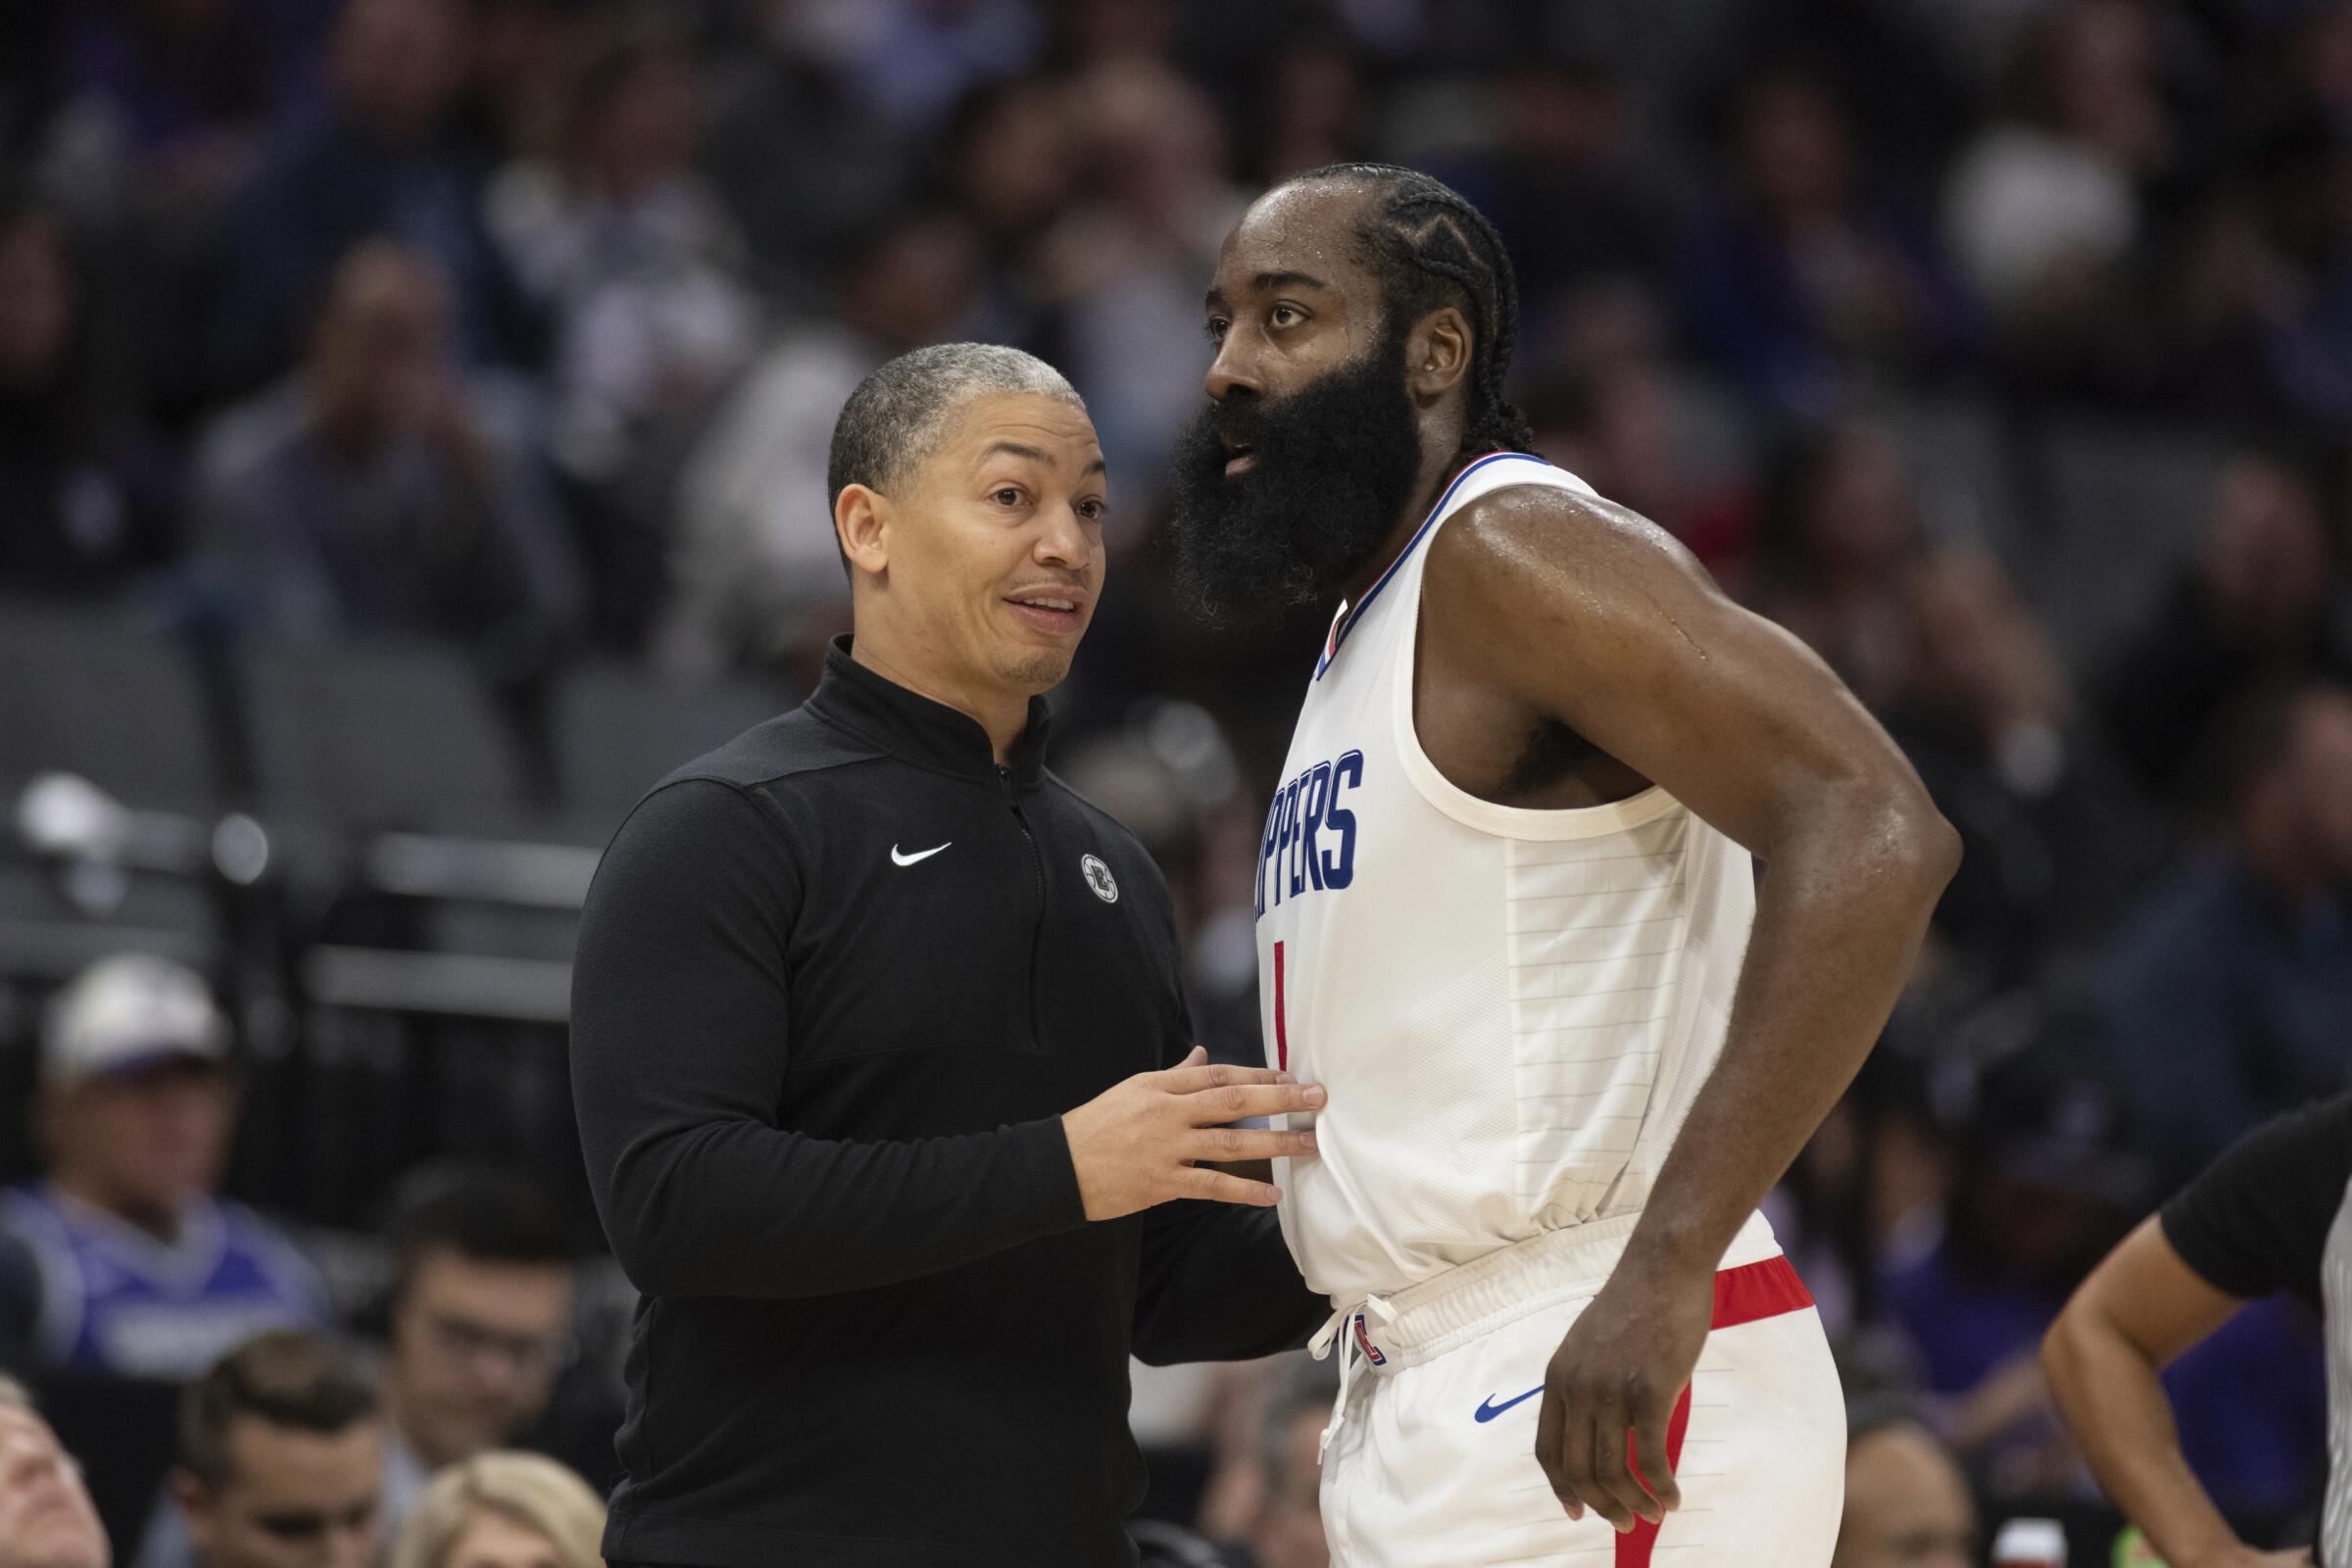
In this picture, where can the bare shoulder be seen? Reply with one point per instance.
(1531, 548)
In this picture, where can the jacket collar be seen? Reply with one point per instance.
(916, 729)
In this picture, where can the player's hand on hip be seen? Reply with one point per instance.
(1621, 1370)
(1144, 1140)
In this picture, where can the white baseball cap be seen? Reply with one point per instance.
(129, 1012)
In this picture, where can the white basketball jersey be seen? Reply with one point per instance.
(1511, 1009)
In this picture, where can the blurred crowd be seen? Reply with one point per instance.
(2002, 352)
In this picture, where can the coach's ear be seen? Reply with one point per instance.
(861, 526)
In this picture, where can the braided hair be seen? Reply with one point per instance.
(1429, 248)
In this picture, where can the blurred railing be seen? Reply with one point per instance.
(376, 854)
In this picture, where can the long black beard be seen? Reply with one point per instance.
(1332, 470)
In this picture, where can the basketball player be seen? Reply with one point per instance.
(1508, 916)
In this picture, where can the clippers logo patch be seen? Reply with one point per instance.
(1098, 877)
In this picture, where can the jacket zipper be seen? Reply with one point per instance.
(1037, 868)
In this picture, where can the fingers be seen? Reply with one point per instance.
(1575, 1461)
(1618, 1418)
(1657, 1468)
(1207, 1107)
(1227, 1146)
(1590, 1442)
(1617, 1495)
(1198, 1181)
(1550, 1446)
(1196, 1073)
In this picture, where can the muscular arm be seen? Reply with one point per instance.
(1644, 658)
(2139, 1309)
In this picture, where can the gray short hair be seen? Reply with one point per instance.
(898, 415)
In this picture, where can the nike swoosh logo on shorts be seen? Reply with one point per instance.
(1488, 1410)
(896, 859)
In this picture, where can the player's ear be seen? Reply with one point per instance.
(1437, 355)
(861, 522)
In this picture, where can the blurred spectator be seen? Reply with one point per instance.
(504, 1511)
(754, 576)
(1617, 424)
(481, 1324)
(1805, 287)
(2312, 50)
(2261, 289)
(1311, 109)
(478, 1325)
(620, 242)
(2054, 842)
(281, 1460)
(122, 1261)
(513, 87)
(1011, 155)
(1090, 33)
(1869, 1193)
(1840, 526)
(1125, 269)
(1567, 187)
(799, 162)
(162, 101)
(907, 62)
(2251, 610)
(46, 1520)
(621, 246)
(379, 159)
(1263, 1492)
(1289, 1529)
(2226, 997)
(86, 488)
(1902, 85)
(375, 492)
(2045, 202)
(2293, 295)
(2046, 1184)
(1907, 1503)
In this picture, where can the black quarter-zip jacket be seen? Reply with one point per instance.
(836, 984)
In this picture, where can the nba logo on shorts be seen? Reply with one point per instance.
(1364, 1340)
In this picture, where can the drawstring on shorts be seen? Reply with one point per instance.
(1371, 1307)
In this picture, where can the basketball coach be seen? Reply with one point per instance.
(881, 1064)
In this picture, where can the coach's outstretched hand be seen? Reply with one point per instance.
(1621, 1370)
(1138, 1142)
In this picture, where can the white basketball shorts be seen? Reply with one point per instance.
(1431, 1462)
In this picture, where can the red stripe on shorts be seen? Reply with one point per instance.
(1757, 1291)
(1743, 1294)
(1636, 1544)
